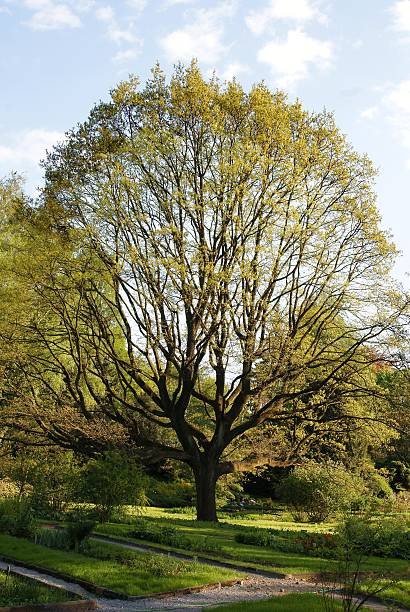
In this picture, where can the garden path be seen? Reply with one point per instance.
(256, 587)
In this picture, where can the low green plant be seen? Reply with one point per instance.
(17, 517)
(356, 587)
(257, 537)
(170, 536)
(79, 528)
(130, 579)
(387, 537)
(17, 591)
(53, 538)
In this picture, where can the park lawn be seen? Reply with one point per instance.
(18, 591)
(249, 555)
(277, 520)
(398, 592)
(294, 602)
(112, 574)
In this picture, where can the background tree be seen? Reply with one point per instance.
(216, 261)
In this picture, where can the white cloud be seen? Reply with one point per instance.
(169, 3)
(291, 59)
(50, 15)
(358, 43)
(233, 70)
(29, 147)
(370, 113)
(202, 38)
(397, 104)
(105, 13)
(138, 5)
(401, 15)
(258, 21)
(115, 32)
(122, 57)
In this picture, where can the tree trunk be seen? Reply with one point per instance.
(205, 483)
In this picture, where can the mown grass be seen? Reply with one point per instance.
(252, 556)
(131, 579)
(398, 592)
(18, 591)
(257, 557)
(295, 602)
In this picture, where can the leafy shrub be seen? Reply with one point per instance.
(300, 542)
(381, 538)
(320, 489)
(112, 481)
(16, 518)
(171, 494)
(79, 528)
(169, 536)
(257, 537)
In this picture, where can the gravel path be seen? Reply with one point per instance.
(254, 588)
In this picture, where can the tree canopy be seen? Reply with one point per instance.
(212, 270)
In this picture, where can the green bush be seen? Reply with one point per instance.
(16, 518)
(79, 528)
(381, 538)
(257, 537)
(112, 481)
(299, 542)
(171, 494)
(317, 490)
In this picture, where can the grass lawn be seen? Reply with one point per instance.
(400, 592)
(223, 535)
(258, 557)
(136, 578)
(295, 602)
(18, 591)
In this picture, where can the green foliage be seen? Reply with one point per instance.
(257, 537)
(111, 481)
(134, 580)
(79, 528)
(313, 544)
(243, 203)
(17, 517)
(171, 493)
(53, 538)
(18, 591)
(294, 602)
(383, 538)
(158, 565)
(316, 490)
(49, 476)
(169, 536)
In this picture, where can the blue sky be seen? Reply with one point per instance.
(59, 57)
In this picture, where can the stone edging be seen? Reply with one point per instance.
(109, 593)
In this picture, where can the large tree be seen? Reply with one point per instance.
(217, 264)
